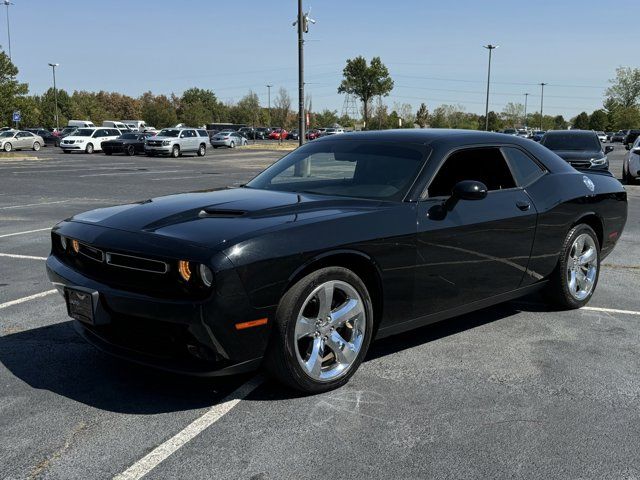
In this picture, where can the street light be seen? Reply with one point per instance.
(55, 93)
(6, 4)
(269, 100)
(541, 102)
(486, 110)
(526, 96)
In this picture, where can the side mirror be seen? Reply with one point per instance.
(182, 135)
(469, 190)
(609, 149)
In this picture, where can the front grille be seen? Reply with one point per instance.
(69, 142)
(136, 263)
(154, 143)
(90, 252)
(579, 164)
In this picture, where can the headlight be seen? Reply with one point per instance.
(166, 143)
(184, 268)
(598, 161)
(206, 275)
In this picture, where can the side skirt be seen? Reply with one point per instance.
(461, 310)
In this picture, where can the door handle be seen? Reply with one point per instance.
(522, 205)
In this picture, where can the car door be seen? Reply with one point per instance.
(22, 140)
(470, 250)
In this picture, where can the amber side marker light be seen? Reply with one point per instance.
(252, 323)
(75, 245)
(185, 270)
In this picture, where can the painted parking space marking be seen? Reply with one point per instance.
(32, 204)
(114, 174)
(611, 310)
(175, 178)
(25, 257)
(168, 448)
(26, 299)
(24, 233)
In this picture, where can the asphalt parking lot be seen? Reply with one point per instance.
(513, 391)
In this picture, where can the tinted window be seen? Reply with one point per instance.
(169, 132)
(486, 165)
(524, 168)
(571, 141)
(203, 133)
(352, 169)
(130, 136)
(83, 132)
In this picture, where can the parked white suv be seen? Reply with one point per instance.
(176, 141)
(88, 140)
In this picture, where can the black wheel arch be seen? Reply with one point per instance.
(363, 265)
(594, 221)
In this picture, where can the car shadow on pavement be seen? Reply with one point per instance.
(56, 359)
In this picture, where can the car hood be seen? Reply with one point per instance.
(158, 137)
(212, 218)
(578, 154)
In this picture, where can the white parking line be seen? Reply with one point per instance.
(25, 232)
(126, 173)
(26, 299)
(177, 178)
(32, 204)
(163, 451)
(611, 310)
(26, 257)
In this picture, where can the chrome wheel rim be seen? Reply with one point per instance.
(582, 266)
(330, 330)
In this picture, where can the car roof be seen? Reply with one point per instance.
(570, 132)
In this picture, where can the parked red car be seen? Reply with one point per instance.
(312, 134)
(278, 134)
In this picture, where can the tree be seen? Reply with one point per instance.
(405, 113)
(325, 118)
(282, 108)
(495, 123)
(625, 88)
(198, 107)
(86, 106)
(10, 88)
(47, 108)
(366, 81)
(559, 123)
(158, 111)
(598, 121)
(247, 110)
(422, 116)
(513, 114)
(581, 122)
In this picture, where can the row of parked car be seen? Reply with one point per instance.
(277, 133)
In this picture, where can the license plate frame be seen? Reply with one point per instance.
(80, 305)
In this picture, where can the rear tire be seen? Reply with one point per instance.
(232, 144)
(36, 146)
(574, 280)
(335, 333)
(202, 150)
(130, 151)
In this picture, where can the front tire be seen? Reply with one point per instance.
(322, 331)
(576, 276)
(89, 149)
(175, 151)
(130, 150)
(232, 144)
(8, 147)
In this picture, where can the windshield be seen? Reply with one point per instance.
(7, 134)
(364, 169)
(581, 141)
(83, 132)
(169, 132)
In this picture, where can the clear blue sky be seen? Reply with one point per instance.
(432, 48)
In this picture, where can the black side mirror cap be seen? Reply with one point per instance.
(469, 190)
(608, 149)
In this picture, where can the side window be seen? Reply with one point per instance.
(486, 165)
(524, 168)
(203, 133)
(115, 131)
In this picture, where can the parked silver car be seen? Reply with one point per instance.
(228, 139)
(20, 140)
(176, 141)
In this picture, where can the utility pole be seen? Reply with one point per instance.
(6, 4)
(541, 102)
(526, 96)
(55, 93)
(486, 109)
(303, 27)
(269, 100)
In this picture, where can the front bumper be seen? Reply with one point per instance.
(193, 337)
(113, 148)
(220, 143)
(162, 150)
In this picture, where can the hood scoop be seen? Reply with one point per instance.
(217, 212)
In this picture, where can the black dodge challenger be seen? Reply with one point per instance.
(346, 239)
(129, 143)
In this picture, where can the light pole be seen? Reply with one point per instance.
(55, 93)
(303, 27)
(6, 4)
(269, 102)
(541, 102)
(526, 97)
(486, 110)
